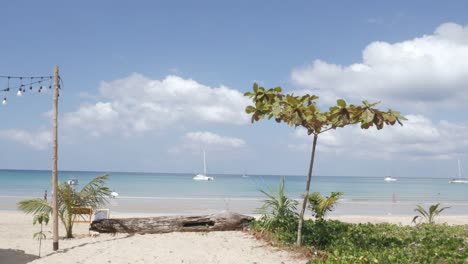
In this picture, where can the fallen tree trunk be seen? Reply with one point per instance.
(223, 221)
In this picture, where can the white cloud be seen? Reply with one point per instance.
(138, 104)
(419, 138)
(214, 139)
(194, 141)
(424, 72)
(38, 140)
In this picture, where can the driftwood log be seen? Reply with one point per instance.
(223, 221)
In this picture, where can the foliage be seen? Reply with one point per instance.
(278, 212)
(94, 194)
(428, 215)
(321, 205)
(303, 111)
(40, 218)
(332, 241)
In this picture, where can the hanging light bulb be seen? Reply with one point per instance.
(4, 101)
(19, 93)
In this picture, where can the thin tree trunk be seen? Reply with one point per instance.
(40, 241)
(69, 226)
(306, 194)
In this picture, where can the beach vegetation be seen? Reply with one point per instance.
(41, 219)
(302, 111)
(428, 216)
(94, 194)
(320, 205)
(279, 212)
(332, 241)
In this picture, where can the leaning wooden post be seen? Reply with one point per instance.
(55, 230)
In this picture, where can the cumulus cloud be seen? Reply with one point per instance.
(194, 141)
(138, 104)
(431, 70)
(419, 138)
(214, 139)
(38, 140)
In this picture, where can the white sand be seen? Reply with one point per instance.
(16, 231)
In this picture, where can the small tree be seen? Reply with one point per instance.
(40, 218)
(94, 194)
(303, 111)
(278, 210)
(428, 215)
(320, 206)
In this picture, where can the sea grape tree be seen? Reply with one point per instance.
(303, 111)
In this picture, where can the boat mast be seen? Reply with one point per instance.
(459, 170)
(204, 163)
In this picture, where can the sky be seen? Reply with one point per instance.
(147, 85)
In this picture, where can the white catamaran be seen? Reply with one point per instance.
(460, 179)
(203, 177)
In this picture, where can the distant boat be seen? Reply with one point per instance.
(72, 182)
(114, 194)
(390, 179)
(460, 179)
(244, 175)
(203, 177)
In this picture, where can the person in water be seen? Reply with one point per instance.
(45, 195)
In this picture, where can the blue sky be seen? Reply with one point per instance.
(149, 84)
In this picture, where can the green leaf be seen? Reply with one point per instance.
(249, 109)
(255, 87)
(341, 103)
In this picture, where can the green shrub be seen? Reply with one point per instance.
(320, 206)
(279, 216)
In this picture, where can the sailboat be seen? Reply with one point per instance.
(203, 177)
(459, 179)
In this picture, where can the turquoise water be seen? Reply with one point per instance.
(164, 192)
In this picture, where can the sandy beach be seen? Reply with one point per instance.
(18, 246)
(212, 247)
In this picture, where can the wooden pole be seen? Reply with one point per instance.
(55, 243)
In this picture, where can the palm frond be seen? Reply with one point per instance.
(95, 193)
(35, 206)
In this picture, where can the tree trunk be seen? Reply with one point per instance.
(306, 194)
(223, 221)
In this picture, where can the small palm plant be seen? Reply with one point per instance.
(320, 206)
(278, 210)
(428, 215)
(41, 218)
(94, 194)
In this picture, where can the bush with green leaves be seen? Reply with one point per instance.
(320, 206)
(278, 212)
(93, 194)
(388, 243)
(430, 215)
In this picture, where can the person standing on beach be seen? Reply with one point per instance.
(45, 195)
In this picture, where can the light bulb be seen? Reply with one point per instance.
(19, 93)
(4, 101)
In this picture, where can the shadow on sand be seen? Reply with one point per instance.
(12, 256)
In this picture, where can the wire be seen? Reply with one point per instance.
(20, 86)
(26, 77)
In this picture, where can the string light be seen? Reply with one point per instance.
(21, 87)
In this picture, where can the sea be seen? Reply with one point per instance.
(169, 193)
